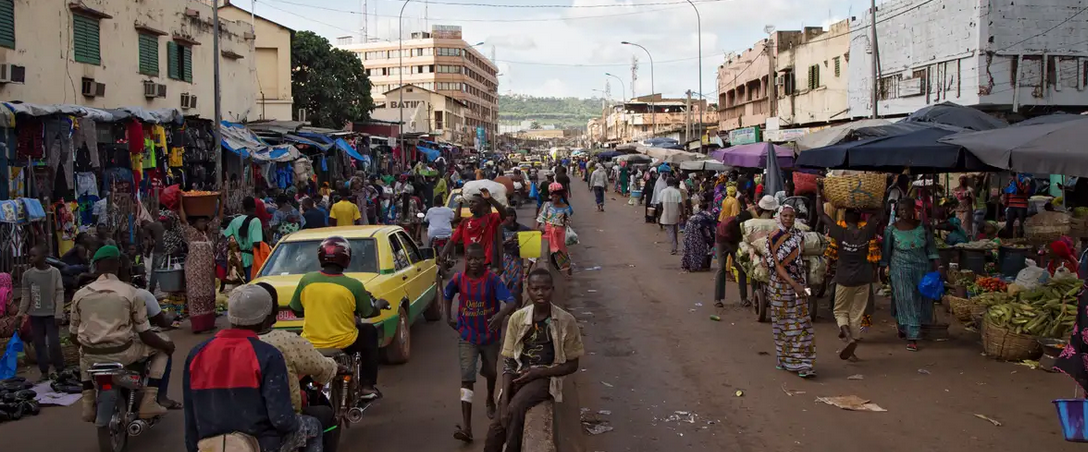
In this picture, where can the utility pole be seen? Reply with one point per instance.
(217, 134)
(875, 56)
(687, 117)
(772, 87)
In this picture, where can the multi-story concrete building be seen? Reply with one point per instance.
(744, 83)
(439, 61)
(812, 77)
(271, 61)
(635, 119)
(993, 54)
(112, 53)
(425, 111)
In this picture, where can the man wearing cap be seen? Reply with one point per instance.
(235, 383)
(109, 322)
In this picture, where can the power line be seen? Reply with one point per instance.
(549, 19)
(562, 6)
(1048, 30)
(311, 20)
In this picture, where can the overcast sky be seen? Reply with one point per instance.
(565, 51)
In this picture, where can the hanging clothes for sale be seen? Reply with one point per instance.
(86, 141)
(30, 142)
(85, 206)
(134, 132)
(158, 134)
(59, 153)
(86, 184)
(175, 159)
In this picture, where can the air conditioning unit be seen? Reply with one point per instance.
(91, 88)
(780, 80)
(153, 90)
(10, 73)
(188, 101)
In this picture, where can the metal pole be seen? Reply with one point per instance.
(217, 134)
(702, 105)
(653, 109)
(875, 56)
(772, 90)
(623, 105)
(400, 89)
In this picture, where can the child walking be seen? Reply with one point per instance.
(43, 302)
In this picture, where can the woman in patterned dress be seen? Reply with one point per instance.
(698, 238)
(200, 268)
(794, 336)
(909, 252)
(552, 221)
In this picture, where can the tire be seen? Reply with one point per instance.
(760, 304)
(400, 349)
(113, 437)
(434, 311)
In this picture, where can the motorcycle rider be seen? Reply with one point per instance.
(335, 301)
(109, 322)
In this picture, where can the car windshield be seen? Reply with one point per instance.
(452, 202)
(299, 258)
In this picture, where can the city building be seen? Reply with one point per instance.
(995, 55)
(541, 134)
(112, 54)
(439, 61)
(812, 77)
(271, 63)
(635, 119)
(425, 112)
(745, 86)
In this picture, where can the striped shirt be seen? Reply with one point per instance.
(480, 299)
(1019, 197)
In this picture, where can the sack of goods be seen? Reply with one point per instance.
(497, 190)
(815, 244)
(817, 269)
(757, 228)
(859, 191)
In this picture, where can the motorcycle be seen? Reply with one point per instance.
(438, 243)
(118, 392)
(344, 392)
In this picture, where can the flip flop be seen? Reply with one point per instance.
(718, 304)
(806, 374)
(461, 435)
(848, 351)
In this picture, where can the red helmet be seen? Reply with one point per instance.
(334, 250)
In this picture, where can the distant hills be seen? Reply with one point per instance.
(564, 112)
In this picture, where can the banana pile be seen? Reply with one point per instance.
(1049, 310)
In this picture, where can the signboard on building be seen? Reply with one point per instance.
(747, 135)
(784, 135)
(910, 87)
(446, 31)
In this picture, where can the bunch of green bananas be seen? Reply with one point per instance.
(1047, 311)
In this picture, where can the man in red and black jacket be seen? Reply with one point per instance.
(234, 383)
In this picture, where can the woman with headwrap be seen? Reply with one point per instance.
(794, 336)
(909, 253)
(1061, 256)
(730, 204)
(552, 221)
(698, 239)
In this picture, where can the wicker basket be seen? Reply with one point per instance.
(1047, 227)
(963, 309)
(1005, 345)
(70, 352)
(1078, 228)
(859, 191)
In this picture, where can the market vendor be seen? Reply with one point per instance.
(1061, 255)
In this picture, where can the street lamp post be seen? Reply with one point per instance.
(400, 70)
(653, 109)
(623, 109)
(702, 105)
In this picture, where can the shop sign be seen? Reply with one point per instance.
(784, 135)
(747, 135)
(446, 31)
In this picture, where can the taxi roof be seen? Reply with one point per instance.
(347, 232)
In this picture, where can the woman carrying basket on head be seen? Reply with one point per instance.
(200, 266)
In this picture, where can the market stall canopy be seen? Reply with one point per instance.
(661, 142)
(242, 141)
(670, 155)
(346, 147)
(703, 165)
(629, 147)
(634, 158)
(956, 115)
(432, 154)
(1049, 119)
(754, 155)
(157, 116)
(1054, 148)
(917, 152)
(608, 155)
(835, 135)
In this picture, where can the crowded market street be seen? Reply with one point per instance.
(653, 352)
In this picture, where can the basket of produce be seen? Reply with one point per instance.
(1001, 343)
(804, 183)
(1078, 228)
(200, 203)
(859, 191)
(1011, 326)
(963, 309)
(1047, 226)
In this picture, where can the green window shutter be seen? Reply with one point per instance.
(173, 70)
(149, 54)
(187, 63)
(7, 23)
(85, 41)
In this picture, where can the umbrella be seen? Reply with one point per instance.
(918, 152)
(1054, 148)
(956, 115)
(773, 184)
(754, 155)
(834, 135)
(608, 155)
(634, 158)
(670, 155)
(703, 165)
(1048, 119)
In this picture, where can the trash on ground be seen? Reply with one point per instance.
(923, 371)
(682, 416)
(739, 393)
(851, 402)
(716, 318)
(763, 353)
(591, 291)
(1029, 363)
(791, 392)
(699, 305)
(592, 269)
(604, 412)
(607, 384)
(856, 377)
(987, 418)
(587, 313)
(596, 427)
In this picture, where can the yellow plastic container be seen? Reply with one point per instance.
(529, 241)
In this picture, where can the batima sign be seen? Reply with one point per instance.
(405, 104)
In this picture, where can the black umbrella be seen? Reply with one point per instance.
(917, 152)
(957, 115)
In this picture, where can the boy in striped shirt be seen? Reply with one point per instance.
(483, 303)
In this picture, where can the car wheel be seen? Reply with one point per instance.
(434, 311)
(400, 349)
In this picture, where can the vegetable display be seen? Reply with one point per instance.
(1048, 311)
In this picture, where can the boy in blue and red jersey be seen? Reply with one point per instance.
(483, 304)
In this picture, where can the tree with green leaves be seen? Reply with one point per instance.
(329, 83)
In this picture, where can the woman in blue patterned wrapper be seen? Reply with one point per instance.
(794, 336)
(909, 253)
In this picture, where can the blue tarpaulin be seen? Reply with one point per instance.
(431, 154)
(238, 139)
(344, 146)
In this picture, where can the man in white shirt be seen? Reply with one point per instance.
(599, 180)
(672, 202)
(439, 220)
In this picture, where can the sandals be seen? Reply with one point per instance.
(462, 435)
(719, 304)
(806, 374)
(912, 347)
(848, 351)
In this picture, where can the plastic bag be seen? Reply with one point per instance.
(533, 192)
(497, 190)
(931, 286)
(1031, 276)
(9, 363)
(572, 237)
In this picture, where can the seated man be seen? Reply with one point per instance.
(236, 384)
(334, 301)
(542, 345)
(302, 360)
(109, 323)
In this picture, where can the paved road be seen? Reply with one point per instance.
(654, 352)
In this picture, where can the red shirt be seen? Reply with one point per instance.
(478, 230)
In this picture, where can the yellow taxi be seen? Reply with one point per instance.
(451, 202)
(384, 258)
